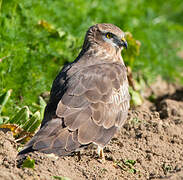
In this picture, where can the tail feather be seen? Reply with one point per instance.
(26, 150)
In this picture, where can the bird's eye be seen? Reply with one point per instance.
(108, 35)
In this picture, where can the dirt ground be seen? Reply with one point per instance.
(149, 146)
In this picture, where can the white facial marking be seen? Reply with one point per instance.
(109, 41)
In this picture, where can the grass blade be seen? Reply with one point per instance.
(4, 98)
(37, 121)
(21, 117)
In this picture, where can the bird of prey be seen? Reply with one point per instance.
(89, 99)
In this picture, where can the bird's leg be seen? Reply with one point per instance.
(101, 153)
(79, 156)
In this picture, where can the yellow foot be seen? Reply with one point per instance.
(101, 154)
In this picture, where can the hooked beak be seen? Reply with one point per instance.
(124, 43)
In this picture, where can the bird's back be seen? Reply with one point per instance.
(88, 106)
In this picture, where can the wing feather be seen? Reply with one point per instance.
(94, 105)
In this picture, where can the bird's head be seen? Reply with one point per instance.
(108, 36)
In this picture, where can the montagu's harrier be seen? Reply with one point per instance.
(89, 98)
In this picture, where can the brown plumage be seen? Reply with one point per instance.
(89, 98)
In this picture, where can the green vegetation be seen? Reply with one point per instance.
(38, 37)
(23, 123)
(61, 178)
(28, 163)
(126, 165)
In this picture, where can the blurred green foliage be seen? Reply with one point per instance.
(38, 37)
